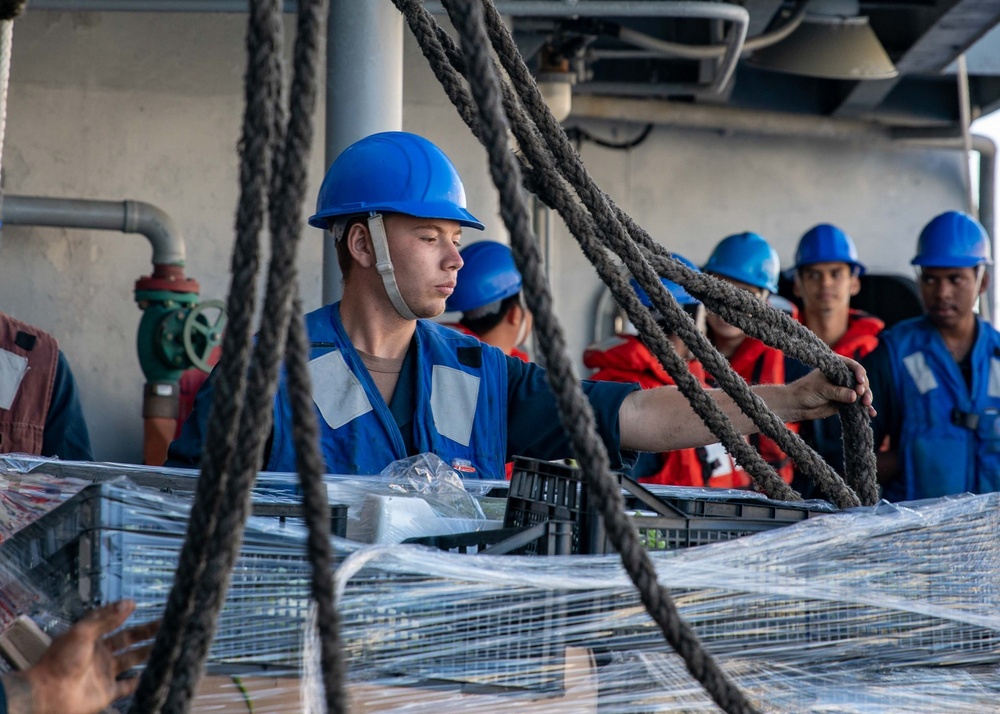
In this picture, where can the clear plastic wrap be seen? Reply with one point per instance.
(427, 477)
(412, 498)
(887, 609)
(416, 497)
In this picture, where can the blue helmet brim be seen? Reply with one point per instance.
(951, 262)
(443, 211)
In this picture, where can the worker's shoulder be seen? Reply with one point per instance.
(914, 326)
(989, 329)
(454, 338)
(447, 332)
(20, 333)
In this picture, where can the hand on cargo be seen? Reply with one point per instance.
(78, 673)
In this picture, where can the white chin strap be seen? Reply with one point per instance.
(383, 263)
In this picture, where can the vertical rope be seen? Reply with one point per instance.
(262, 80)
(9, 9)
(574, 410)
(229, 493)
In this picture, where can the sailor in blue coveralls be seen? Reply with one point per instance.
(389, 383)
(937, 377)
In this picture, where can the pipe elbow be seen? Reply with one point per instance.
(159, 228)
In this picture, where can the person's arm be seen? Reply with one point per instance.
(185, 451)
(533, 425)
(662, 420)
(66, 434)
(78, 674)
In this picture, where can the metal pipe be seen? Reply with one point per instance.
(125, 216)
(521, 8)
(678, 49)
(597, 8)
(728, 53)
(364, 90)
(730, 120)
(150, 5)
(965, 120)
(723, 118)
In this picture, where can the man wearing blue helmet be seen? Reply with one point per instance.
(488, 295)
(624, 358)
(938, 376)
(389, 383)
(749, 262)
(827, 274)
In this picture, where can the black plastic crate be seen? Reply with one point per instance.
(109, 542)
(703, 502)
(285, 511)
(543, 490)
(548, 538)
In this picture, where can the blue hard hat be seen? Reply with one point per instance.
(394, 172)
(748, 258)
(680, 294)
(488, 275)
(953, 240)
(827, 244)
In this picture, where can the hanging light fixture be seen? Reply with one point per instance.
(832, 42)
(555, 82)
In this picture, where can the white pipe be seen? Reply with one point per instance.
(125, 216)
(965, 120)
(704, 52)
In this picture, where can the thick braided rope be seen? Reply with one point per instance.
(305, 428)
(543, 161)
(286, 197)
(574, 410)
(316, 510)
(544, 179)
(262, 79)
(654, 337)
(612, 227)
(806, 459)
(778, 329)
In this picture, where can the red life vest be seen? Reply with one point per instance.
(29, 377)
(861, 336)
(757, 364)
(624, 358)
